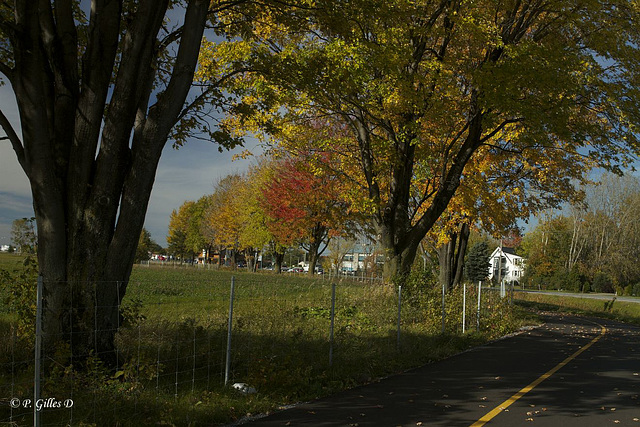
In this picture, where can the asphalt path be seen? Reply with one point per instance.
(602, 296)
(570, 371)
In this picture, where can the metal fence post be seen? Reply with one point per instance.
(227, 368)
(333, 316)
(478, 316)
(38, 353)
(443, 307)
(464, 307)
(399, 313)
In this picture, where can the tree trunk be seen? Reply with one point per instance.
(90, 207)
(278, 258)
(463, 243)
(446, 259)
(222, 254)
(251, 260)
(401, 236)
(399, 231)
(318, 235)
(451, 258)
(398, 259)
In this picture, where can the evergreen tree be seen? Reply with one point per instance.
(478, 262)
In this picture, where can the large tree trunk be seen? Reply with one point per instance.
(318, 235)
(278, 258)
(90, 208)
(398, 261)
(463, 244)
(451, 258)
(400, 233)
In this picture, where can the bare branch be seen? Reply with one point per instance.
(208, 91)
(499, 128)
(504, 149)
(16, 143)
(172, 37)
(7, 71)
(170, 104)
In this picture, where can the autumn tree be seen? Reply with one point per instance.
(255, 236)
(305, 205)
(23, 235)
(177, 232)
(592, 244)
(546, 249)
(266, 229)
(185, 234)
(423, 87)
(146, 245)
(604, 231)
(100, 90)
(196, 240)
(222, 218)
(497, 191)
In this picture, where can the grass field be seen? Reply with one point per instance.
(611, 309)
(10, 261)
(173, 341)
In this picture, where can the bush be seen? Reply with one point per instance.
(417, 287)
(18, 289)
(602, 283)
(570, 281)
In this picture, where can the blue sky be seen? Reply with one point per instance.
(184, 174)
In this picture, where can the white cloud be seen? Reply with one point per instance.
(14, 206)
(12, 177)
(15, 193)
(184, 174)
(188, 174)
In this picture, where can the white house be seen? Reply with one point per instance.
(512, 265)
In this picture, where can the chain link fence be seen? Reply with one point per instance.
(182, 340)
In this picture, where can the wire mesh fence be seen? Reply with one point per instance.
(182, 340)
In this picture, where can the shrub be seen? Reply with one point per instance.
(602, 282)
(19, 288)
(417, 287)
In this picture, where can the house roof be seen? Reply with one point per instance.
(508, 253)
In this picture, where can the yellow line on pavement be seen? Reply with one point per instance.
(504, 405)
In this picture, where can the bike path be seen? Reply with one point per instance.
(594, 381)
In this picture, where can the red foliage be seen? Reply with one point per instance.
(296, 199)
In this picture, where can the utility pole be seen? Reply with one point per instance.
(502, 292)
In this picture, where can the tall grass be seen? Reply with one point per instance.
(612, 308)
(172, 346)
